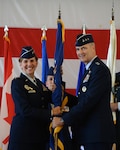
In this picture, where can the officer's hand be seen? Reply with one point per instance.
(114, 106)
(56, 111)
(57, 121)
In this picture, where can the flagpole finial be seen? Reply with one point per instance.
(113, 10)
(59, 15)
(44, 29)
(84, 28)
(6, 31)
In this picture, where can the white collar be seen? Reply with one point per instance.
(88, 64)
(33, 80)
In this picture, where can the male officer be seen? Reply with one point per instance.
(91, 117)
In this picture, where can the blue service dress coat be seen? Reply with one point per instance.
(117, 125)
(92, 118)
(31, 122)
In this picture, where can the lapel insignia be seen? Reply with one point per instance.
(29, 89)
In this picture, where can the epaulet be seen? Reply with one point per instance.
(97, 63)
(16, 78)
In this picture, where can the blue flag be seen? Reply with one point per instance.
(58, 60)
(57, 143)
(45, 64)
(80, 76)
(59, 52)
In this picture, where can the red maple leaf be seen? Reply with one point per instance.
(6, 140)
(11, 113)
(10, 106)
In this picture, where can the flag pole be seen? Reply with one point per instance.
(59, 13)
(7, 109)
(56, 134)
(44, 29)
(114, 114)
(84, 29)
(45, 63)
(111, 59)
(58, 77)
(6, 31)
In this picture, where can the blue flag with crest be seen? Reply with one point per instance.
(56, 138)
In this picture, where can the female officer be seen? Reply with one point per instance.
(30, 125)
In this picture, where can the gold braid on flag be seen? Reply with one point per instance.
(58, 142)
(63, 29)
(50, 128)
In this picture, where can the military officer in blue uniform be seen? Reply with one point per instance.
(30, 125)
(65, 134)
(91, 118)
(115, 106)
(72, 100)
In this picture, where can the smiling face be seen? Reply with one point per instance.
(86, 52)
(28, 66)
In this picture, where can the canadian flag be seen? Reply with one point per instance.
(7, 105)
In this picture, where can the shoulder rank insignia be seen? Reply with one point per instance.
(97, 63)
